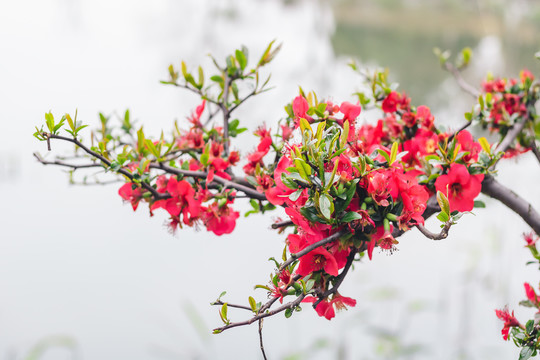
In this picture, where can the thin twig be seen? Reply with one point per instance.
(62, 163)
(105, 161)
(282, 224)
(261, 315)
(219, 302)
(434, 236)
(261, 338)
(252, 193)
(339, 279)
(464, 85)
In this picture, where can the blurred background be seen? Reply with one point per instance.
(83, 277)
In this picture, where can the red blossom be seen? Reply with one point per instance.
(531, 295)
(466, 140)
(220, 219)
(127, 193)
(530, 239)
(316, 260)
(390, 104)
(350, 111)
(509, 321)
(326, 307)
(460, 186)
(300, 107)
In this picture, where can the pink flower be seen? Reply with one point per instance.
(531, 295)
(350, 111)
(326, 307)
(220, 219)
(300, 107)
(129, 194)
(390, 104)
(509, 321)
(530, 239)
(460, 186)
(316, 260)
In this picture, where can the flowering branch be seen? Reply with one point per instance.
(311, 247)
(105, 161)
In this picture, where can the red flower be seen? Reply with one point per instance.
(129, 194)
(350, 111)
(531, 295)
(220, 219)
(509, 321)
(530, 239)
(460, 186)
(278, 194)
(326, 307)
(300, 107)
(389, 105)
(468, 144)
(316, 260)
(423, 114)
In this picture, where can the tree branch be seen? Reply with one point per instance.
(339, 278)
(261, 315)
(105, 161)
(434, 236)
(513, 201)
(464, 85)
(282, 224)
(252, 193)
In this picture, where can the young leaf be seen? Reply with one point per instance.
(443, 203)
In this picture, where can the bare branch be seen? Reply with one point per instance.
(464, 85)
(261, 315)
(252, 193)
(219, 302)
(282, 224)
(513, 201)
(62, 163)
(434, 236)
(261, 338)
(339, 278)
(107, 162)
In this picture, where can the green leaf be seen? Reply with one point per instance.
(526, 353)
(479, 204)
(241, 57)
(443, 202)
(350, 216)
(252, 304)
(443, 217)
(326, 205)
(384, 154)
(529, 326)
(288, 313)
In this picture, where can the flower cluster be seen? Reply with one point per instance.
(506, 103)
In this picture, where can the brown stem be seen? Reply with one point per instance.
(252, 193)
(464, 85)
(339, 278)
(107, 162)
(261, 338)
(282, 224)
(261, 315)
(435, 236)
(513, 201)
